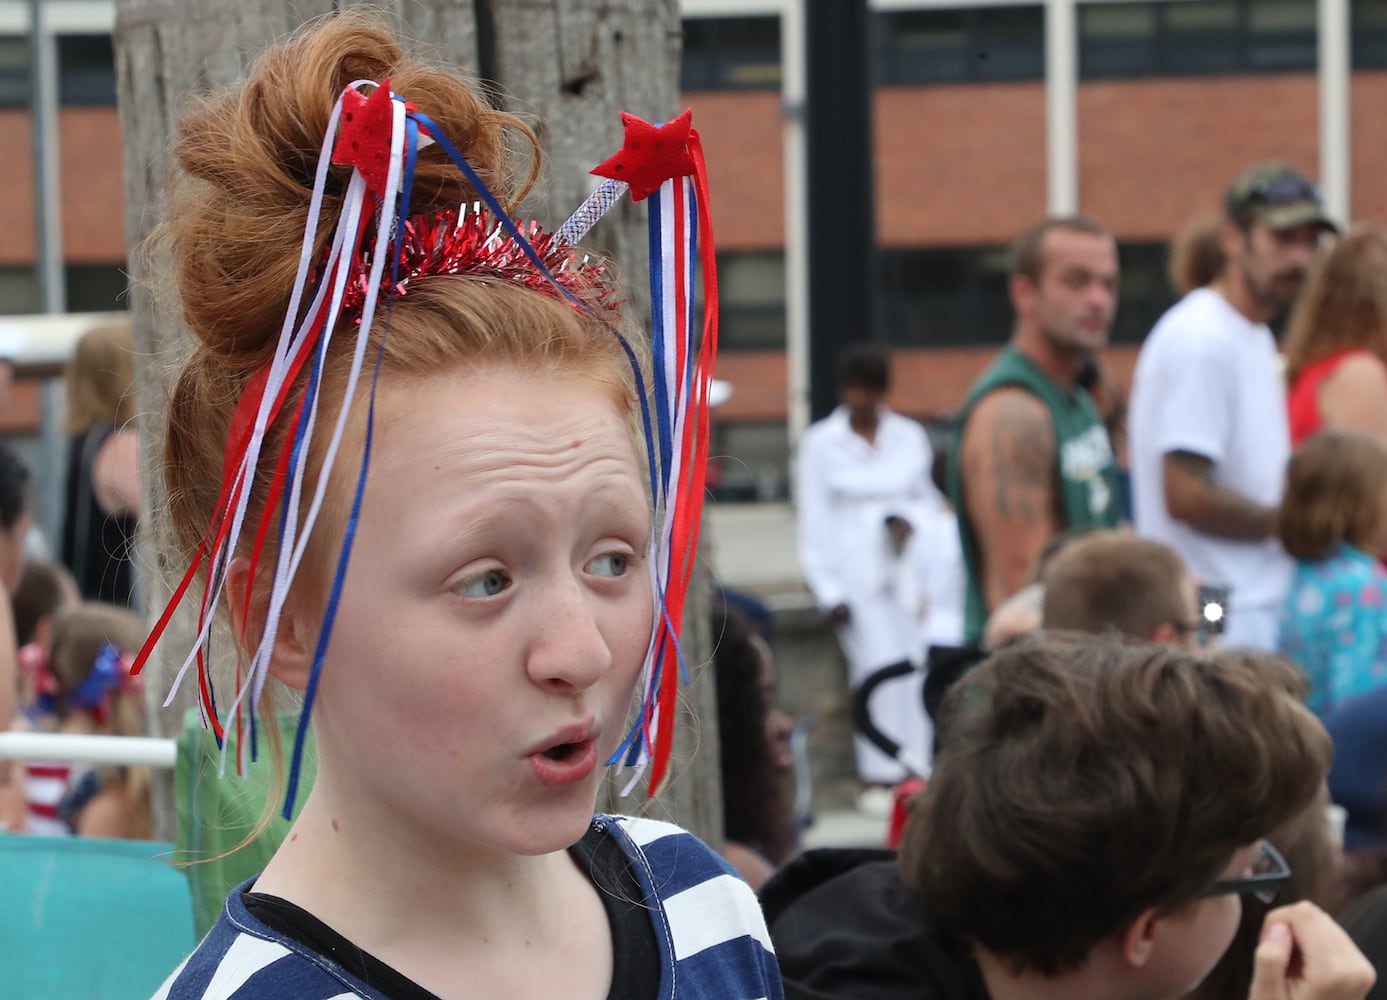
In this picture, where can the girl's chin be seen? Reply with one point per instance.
(555, 828)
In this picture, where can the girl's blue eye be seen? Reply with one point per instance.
(611, 564)
(487, 584)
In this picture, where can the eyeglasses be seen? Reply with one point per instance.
(1199, 629)
(1268, 876)
(1213, 615)
(1213, 608)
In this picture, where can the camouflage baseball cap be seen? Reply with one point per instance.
(1279, 195)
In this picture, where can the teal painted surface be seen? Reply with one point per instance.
(89, 919)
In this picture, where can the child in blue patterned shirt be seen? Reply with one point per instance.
(1334, 522)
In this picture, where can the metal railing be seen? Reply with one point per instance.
(128, 751)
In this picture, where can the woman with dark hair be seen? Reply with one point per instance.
(103, 476)
(15, 518)
(758, 820)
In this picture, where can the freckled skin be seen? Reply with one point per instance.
(497, 596)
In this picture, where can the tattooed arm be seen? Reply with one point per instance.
(1010, 487)
(1192, 496)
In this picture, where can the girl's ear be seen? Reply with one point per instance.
(292, 657)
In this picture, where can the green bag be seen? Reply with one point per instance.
(216, 814)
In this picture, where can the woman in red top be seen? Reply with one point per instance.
(1336, 343)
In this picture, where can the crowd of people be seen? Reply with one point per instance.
(451, 528)
(69, 616)
(1231, 515)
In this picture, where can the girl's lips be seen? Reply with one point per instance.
(573, 763)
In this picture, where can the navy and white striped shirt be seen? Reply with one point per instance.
(712, 939)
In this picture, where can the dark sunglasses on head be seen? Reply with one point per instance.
(1284, 189)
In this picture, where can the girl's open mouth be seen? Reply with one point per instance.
(565, 763)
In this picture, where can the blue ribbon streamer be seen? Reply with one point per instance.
(349, 535)
(334, 598)
(657, 344)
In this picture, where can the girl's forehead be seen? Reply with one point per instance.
(484, 418)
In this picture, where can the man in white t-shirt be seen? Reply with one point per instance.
(1208, 430)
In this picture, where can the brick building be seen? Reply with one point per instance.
(1172, 98)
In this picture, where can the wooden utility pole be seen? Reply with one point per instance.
(569, 67)
(167, 52)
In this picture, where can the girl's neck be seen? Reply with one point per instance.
(507, 925)
(354, 871)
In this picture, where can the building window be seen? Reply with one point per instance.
(1368, 33)
(751, 299)
(16, 71)
(1282, 34)
(1144, 291)
(957, 296)
(749, 461)
(90, 288)
(731, 53)
(1117, 39)
(944, 296)
(86, 70)
(1196, 37)
(19, 291)
(97, 288)
(969, 45)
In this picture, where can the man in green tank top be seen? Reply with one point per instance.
(1033, 459)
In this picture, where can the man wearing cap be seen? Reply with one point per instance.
(1209, 438)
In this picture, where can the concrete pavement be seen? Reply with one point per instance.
(753, 546)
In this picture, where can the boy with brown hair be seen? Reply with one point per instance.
(1115, 582)
(1094, 816)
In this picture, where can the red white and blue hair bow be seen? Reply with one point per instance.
(380, 136)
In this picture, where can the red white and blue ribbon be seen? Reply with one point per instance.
(665, 163)
(380, 137)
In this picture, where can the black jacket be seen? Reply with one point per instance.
(846, 928)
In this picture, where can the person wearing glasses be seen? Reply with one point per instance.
(1114, 581)
(1097, 815)
(1209, 435)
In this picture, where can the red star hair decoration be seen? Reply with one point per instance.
(650, 154)
(364, 138)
